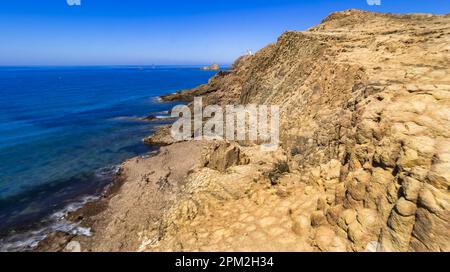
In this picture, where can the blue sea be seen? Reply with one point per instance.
(63, 131)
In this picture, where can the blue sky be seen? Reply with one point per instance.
(119, 32)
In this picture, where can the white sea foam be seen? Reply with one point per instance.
(28, 240)
(163, 116)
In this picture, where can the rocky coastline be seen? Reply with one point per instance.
(363, 165)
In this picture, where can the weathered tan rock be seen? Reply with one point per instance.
(396, 236)
(301, 225)
(365, 101)
(405, 207)
(365, 144)
(224, 155)
(388, 143)
(411, 188)
(331, 170)
(161, 137)
(73, 246)
(318, 219)
(327, 240)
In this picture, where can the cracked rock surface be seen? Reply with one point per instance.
(365, 141)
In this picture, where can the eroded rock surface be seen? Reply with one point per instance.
(364, 162)
(365, 101)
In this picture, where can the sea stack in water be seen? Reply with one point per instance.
(213, 67)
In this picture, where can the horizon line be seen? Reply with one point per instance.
(111, 65)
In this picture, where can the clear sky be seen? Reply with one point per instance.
(121, 32)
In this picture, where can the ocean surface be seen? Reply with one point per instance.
(63, 130)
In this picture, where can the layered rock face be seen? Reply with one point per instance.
(364, 161)
(365, 121)
(371, 92)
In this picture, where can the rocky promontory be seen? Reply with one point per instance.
(364, 160)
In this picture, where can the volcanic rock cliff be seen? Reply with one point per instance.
(365, 101)
(364, 161)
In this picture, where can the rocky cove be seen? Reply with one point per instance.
(363, 162)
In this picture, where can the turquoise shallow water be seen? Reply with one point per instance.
(63, 129)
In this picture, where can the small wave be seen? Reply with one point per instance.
(163, 116)
(128, 118)
(28, 240)
(107, 172)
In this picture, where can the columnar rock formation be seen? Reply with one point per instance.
(364, 162)
(365, 101)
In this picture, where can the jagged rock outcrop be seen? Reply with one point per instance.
(221, 156)
(364, 162)
(365, 101)
(161, 137)
(223, 88)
